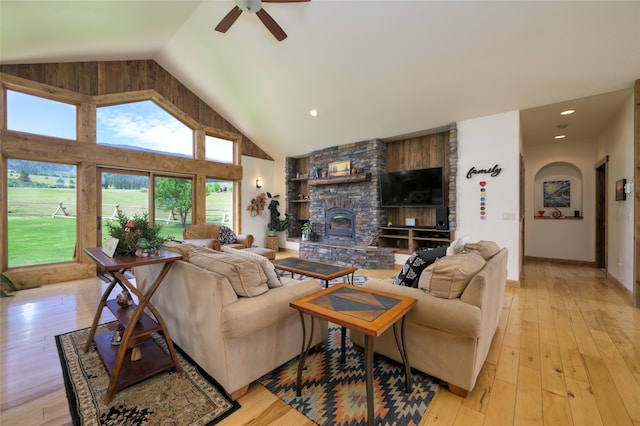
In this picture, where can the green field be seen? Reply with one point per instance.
(34, 237)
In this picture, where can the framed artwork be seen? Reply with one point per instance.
(557, 193)
(620, 194)
(110, 245)
(340, 168)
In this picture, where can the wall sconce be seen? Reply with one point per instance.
(259, 183)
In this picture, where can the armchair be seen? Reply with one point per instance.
(226, 237)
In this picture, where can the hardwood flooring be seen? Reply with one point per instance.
(567, 352)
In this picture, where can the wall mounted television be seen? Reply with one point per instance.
(412, 188)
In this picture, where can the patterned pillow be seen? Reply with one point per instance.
(416, 263)
(226, 235)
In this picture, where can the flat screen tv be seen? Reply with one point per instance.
(412, 188)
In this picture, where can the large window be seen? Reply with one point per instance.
(41, 212)
(143, 126)
(219, 202)
(33, 114)
(173, 204)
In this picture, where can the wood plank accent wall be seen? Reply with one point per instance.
(636, 192)
(419, 153)
(117, 77)
(89, 85)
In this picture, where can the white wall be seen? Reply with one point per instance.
(483, 143)
(617, 142)
(272, 174)
(561, 239)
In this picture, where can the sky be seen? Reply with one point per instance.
(138, 124)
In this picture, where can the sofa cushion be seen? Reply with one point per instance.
(416, 263)
(486, 249)
(201, 230)
(273, 280)
(245, 275)
(449, 275)
(180, 248)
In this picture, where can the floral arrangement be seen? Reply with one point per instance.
(135, 233)
(257, 204)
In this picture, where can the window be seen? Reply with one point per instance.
(173, 205)
(143, 126)
(34, 114)
(217, 149)
(41, 212)
(219, 202)
(122, 192)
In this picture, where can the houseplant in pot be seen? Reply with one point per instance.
(276, 224)
(306, 231)
(136, 234)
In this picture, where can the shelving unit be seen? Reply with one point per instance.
(138, 356)
(300, 206)
(408, 239)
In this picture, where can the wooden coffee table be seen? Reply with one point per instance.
(314, 269)
(368, 311)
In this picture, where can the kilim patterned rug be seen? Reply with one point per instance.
(189, 397)
(335, 394)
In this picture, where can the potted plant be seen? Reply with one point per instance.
(5, 282)
(135, 233)
(306, 231)
(276, 224)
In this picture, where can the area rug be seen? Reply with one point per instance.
(335, 394)
(189, 397)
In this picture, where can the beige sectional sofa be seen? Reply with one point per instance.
(228, 313)
(449, 337)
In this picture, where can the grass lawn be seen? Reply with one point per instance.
(37, 238)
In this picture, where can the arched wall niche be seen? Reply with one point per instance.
(558, 185)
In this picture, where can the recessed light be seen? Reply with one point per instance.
(567, 112)
(313, 113)
(561, 136)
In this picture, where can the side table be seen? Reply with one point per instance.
(138, 357)
(358, 308)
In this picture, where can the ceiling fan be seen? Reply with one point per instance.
(255, 6)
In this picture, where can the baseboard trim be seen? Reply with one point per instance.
(513, 283)
(621, 287)
(562, 261)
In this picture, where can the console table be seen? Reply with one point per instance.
(138, 357)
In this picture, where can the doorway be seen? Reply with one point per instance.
(601, 213)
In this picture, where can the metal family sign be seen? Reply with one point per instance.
(493, 172)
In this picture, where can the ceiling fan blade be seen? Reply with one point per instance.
(284, 1)
(229, 19)
(271, 25)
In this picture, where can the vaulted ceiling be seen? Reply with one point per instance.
(372, 69)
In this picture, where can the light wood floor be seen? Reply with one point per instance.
(567, 351)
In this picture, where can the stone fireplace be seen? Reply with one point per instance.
(345, 213)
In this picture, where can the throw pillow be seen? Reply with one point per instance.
(448, 276)
(226, 235)
(246, 276)
(486, 249)
(273, 279)
(416, 263)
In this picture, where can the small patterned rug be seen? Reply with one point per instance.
(169, 398)
(335, 394)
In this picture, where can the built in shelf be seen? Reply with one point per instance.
(358, 177)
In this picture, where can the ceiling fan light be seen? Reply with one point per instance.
(252, 6)
(560, 136)
(568, 112)
(313, 113)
